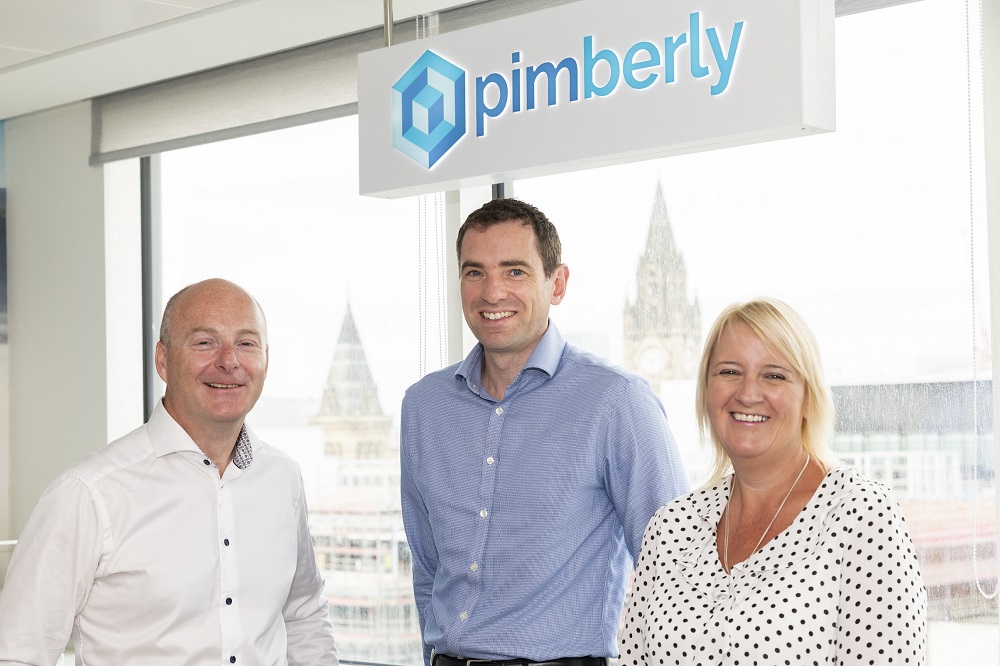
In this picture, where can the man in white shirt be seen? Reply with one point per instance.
(186, 541)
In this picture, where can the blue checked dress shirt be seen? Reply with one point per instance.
(525, 515)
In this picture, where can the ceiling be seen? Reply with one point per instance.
(53, 52)
(34, 28)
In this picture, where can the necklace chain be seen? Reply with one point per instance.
(725, 545)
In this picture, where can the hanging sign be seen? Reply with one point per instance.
(588, 84)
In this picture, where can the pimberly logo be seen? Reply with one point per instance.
(428, 109)
(428, 101)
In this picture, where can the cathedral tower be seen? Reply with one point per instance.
(354, 425)
(662, 328)
(356, 520)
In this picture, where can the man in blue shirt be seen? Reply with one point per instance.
(529, 470)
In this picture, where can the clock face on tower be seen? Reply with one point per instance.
(652, 360)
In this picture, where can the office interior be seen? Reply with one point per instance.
(90, 113)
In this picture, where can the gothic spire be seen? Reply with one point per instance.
(660, 245)
(662, 327)
(350, 389)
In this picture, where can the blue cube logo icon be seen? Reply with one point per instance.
(428, 109)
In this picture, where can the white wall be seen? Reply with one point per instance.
(123, 287)
(57, 302)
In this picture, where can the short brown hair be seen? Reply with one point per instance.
(499, 211)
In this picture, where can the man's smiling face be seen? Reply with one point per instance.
(215, 361)
(505, 293)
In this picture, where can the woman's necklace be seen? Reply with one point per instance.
(725, 545)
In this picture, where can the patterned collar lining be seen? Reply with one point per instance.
(243, 453)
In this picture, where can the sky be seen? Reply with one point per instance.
(867, 231)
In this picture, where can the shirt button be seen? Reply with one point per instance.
(229, 601)
(490, 461)
(207, 461)
(484, 513)
(464, 616)
(499, 410)
(232, 660)
(225, 541)
(474, 567)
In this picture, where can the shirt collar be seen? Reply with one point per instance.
(710, 501)
(545, 357)
(167, 436)
(243, 453)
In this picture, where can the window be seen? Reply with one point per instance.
(866, 231)
(337, 277)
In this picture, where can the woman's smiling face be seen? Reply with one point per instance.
(755, 399)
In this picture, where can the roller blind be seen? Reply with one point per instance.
(308, 84)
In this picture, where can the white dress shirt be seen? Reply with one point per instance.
(147, 556)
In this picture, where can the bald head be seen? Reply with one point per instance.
(213, 289)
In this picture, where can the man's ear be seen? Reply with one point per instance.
(560, 276)
(161, 361)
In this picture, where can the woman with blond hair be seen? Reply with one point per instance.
(785, 556)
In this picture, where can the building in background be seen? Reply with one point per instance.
(662, 327)
(663, 336)
(356, 520)
(931, 444)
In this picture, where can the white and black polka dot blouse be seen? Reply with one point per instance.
(839, 586)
